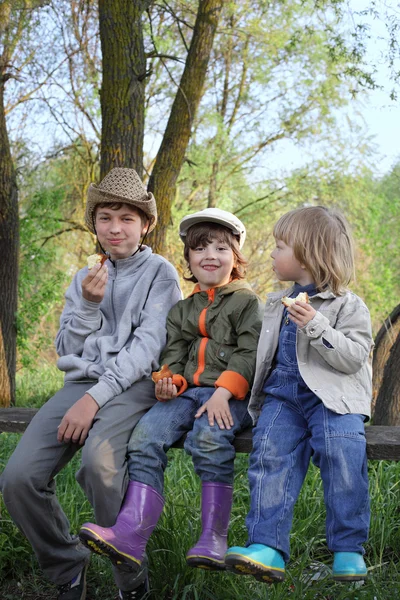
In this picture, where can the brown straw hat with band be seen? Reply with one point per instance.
(121, 185)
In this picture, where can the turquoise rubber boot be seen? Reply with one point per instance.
(349, 566)
(262, 562)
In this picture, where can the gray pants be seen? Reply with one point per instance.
(28, 485)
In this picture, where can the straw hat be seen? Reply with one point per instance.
(214, 215)
(120, 185)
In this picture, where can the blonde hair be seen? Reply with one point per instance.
(322, 241)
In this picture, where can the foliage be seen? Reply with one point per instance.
(53, 245)
(275, 76)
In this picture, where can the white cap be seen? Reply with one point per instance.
(214, 215)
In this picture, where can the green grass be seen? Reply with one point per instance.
(35, 386)
(308, 575)
(180, 524)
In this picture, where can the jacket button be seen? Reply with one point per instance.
(343, 397)
(312, 330)
(267, 331)
(222, 353)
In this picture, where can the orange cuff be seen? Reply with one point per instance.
(180, 383)
(235, 383)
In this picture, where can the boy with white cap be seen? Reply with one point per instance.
(111, 335)
(211, 348)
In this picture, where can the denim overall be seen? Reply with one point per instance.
(294, 426)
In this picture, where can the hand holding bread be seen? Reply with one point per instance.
(93, 259)
(302, 313)
(302, 297)
(166, 390)
(94, 284)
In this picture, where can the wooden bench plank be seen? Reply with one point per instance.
(16, 420)
(383, 443)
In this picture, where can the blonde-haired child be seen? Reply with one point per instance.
(310, 398)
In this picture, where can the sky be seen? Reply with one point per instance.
(375, 113)
(379, 119)
(382, 118)
(381, 114)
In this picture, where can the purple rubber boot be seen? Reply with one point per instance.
(216, 504)
(125, 542)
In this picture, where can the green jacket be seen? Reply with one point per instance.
(212, 337)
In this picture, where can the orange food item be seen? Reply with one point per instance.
(93, 259)
(302, 297)
(163, 372)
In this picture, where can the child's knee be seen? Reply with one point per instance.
(100, 459)
(143, 432)
(15, 483)
(206, 439)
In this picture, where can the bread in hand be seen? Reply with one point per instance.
(163, 372)
(302, 297)
(93, 259)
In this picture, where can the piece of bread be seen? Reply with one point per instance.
(93, 259)
(163, 372)
(302, 297)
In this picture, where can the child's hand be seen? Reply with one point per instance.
(217, 408)
(77, 421)
(165, 389)
(301, 313)
(94, 284)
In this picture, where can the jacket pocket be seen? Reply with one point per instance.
(288, 341)
(221, 355)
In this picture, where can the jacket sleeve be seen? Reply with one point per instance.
(79, 319)
(345, 347)
(239, 374)
(176, 351)
(141, 357)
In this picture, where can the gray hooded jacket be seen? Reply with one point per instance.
(118, 341)
(332, 350)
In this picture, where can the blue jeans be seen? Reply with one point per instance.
(210, 447)
(287, 434)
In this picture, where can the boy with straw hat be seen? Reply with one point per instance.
(111, 333)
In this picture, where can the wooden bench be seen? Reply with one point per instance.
(383, 443)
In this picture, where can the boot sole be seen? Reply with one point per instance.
(242, 565)
(204, 562)
(99, 546)
(354, 577)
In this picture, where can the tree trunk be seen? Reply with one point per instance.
(177, 134)
(9, 243)
(387, 407)
(385, 367)
(123, 85)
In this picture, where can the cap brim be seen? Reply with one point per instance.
(188, 222)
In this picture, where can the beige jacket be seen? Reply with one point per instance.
(333, 352)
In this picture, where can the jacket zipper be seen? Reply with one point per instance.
(201, 355)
